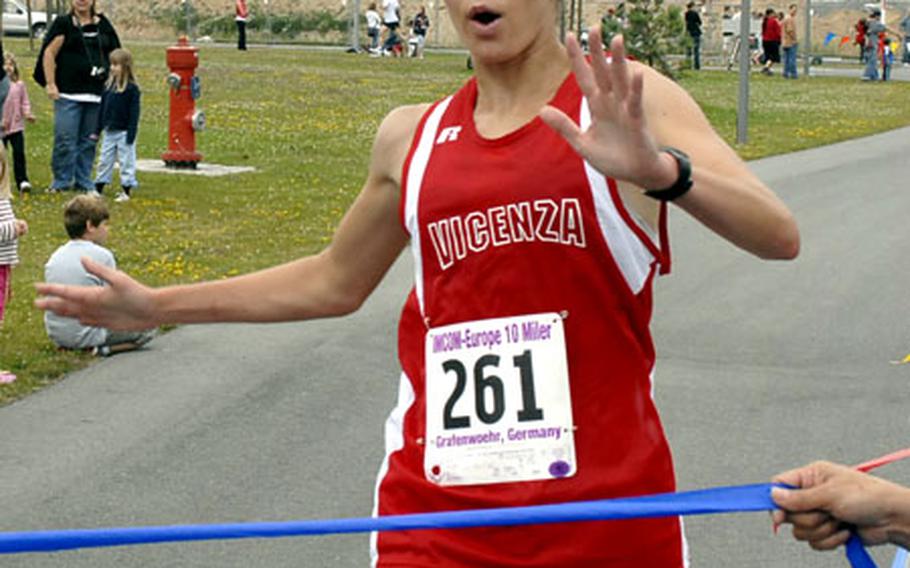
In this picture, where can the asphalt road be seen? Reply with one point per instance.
(762, 366)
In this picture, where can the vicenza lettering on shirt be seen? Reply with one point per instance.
(542, 220)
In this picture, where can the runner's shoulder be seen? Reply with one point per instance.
(399, 126)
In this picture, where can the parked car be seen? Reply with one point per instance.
(15, 19)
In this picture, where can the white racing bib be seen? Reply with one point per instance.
(498, 403)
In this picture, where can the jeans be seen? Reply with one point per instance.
(695, 52)
(115, 338)
(393, 38)
(114, 147)
(886, 72)
(74, 143)
(241, 35)
(4, 90)
(871, 72)
(790, 62)
(374, 37)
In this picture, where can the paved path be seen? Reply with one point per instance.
(762, 366)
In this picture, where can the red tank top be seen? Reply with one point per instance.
(522, 225)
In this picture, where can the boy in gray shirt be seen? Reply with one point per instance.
(86, 220)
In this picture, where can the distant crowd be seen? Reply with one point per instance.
(773, 39)
(385, 30)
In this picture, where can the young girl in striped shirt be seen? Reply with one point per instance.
(10, 231)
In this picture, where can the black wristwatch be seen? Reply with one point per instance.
(683, 182)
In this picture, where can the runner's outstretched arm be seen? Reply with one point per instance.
(334, 282)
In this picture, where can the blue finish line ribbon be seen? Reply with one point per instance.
(701, 502)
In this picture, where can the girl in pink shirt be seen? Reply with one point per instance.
(16, 110)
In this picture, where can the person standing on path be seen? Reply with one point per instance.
(790, 42)
(534, 200)
(693, 28)
(241, 14)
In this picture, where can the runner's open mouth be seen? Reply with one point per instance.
(484, 16)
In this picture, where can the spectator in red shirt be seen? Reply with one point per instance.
(770, 40)
(861, 39)
(241, 14)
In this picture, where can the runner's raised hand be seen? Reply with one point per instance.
(617, 142)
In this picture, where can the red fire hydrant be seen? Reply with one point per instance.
(185, 120)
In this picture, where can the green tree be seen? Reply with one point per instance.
(652, 32)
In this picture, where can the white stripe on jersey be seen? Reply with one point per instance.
(394, 441)
(416, 171)
(630, 253)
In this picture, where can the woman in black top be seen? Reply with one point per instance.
(76, 64)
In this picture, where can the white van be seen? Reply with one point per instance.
(15, 19)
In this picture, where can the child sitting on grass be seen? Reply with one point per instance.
(86, 220)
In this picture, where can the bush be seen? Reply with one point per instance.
(177, 16)
(653, 31)
(286, 25)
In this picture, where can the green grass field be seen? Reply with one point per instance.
(305, 121)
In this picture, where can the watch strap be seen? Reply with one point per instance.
(683, 181)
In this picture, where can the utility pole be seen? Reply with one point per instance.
(31, 36)
(579, 20)
(185, 6)
(436, 4)
(745, 56)
(268, 20)
(355, 26)
(562, 20)
(808, 62)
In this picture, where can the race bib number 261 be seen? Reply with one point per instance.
(498, 403)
